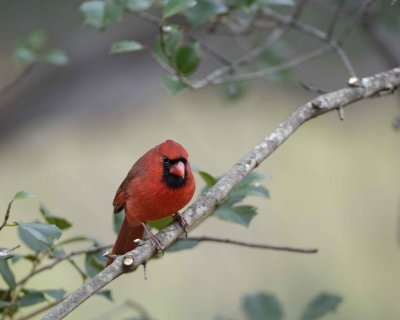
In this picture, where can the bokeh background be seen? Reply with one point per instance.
(70, 134)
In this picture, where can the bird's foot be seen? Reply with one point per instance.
(182, 222)
(156, 243)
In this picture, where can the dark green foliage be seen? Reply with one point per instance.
(321, 305)
(106, 293)
(265, 306)
(31, 297)
(40, 237)
(94, 262)
(187, 58)
(230, 210)
(7, 274)
(262, 306)
(50, 218)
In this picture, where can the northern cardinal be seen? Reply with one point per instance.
(159, 184)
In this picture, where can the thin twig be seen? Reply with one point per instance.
(40, 310)
(276, 69)
(374, 86)
(250, 245)
(7, 215)
(312, 89)
(334, 19)
(252, 55)
(357, 16)
(315, 33)
(61, 259)
(16, 81)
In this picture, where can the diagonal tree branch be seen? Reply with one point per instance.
(374, 86)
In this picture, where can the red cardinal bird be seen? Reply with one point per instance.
(159, 184)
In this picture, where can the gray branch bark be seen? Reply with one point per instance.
(375, 86)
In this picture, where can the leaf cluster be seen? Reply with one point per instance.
(174, 48)
(262, 306)
(33, 49)
(41, 238)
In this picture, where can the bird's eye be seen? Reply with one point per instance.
(165, 159)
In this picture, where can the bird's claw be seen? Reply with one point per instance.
(182, 222)
(156, 243)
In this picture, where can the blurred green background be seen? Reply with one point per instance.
(70, 134)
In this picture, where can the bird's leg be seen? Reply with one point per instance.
(182, 222)
(155, 242)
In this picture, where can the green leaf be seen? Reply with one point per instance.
(262, 306)
(58, 253)
(161, 223)
(239, 214)
(187, 58)
(56, 294)
(28, 49)
(101, 14)
(31, 297)
(172, 38)
(94, 262)
(248, 186)
(30, 257)
(208, 178)
(5, 254)
(61, 223)
(176, 6)
(7, 274)
(126, 46)
(204, 11)
(106, 293)
(138, 5)
(25, 56)
(182, 244)
(36, 40)
(56, 57)
(38, 236)
(23, 195)
(118, 219)
(321, 305)
(173, 85)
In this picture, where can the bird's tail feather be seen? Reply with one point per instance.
(126, 236)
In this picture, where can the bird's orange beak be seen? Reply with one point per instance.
(178, 169)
